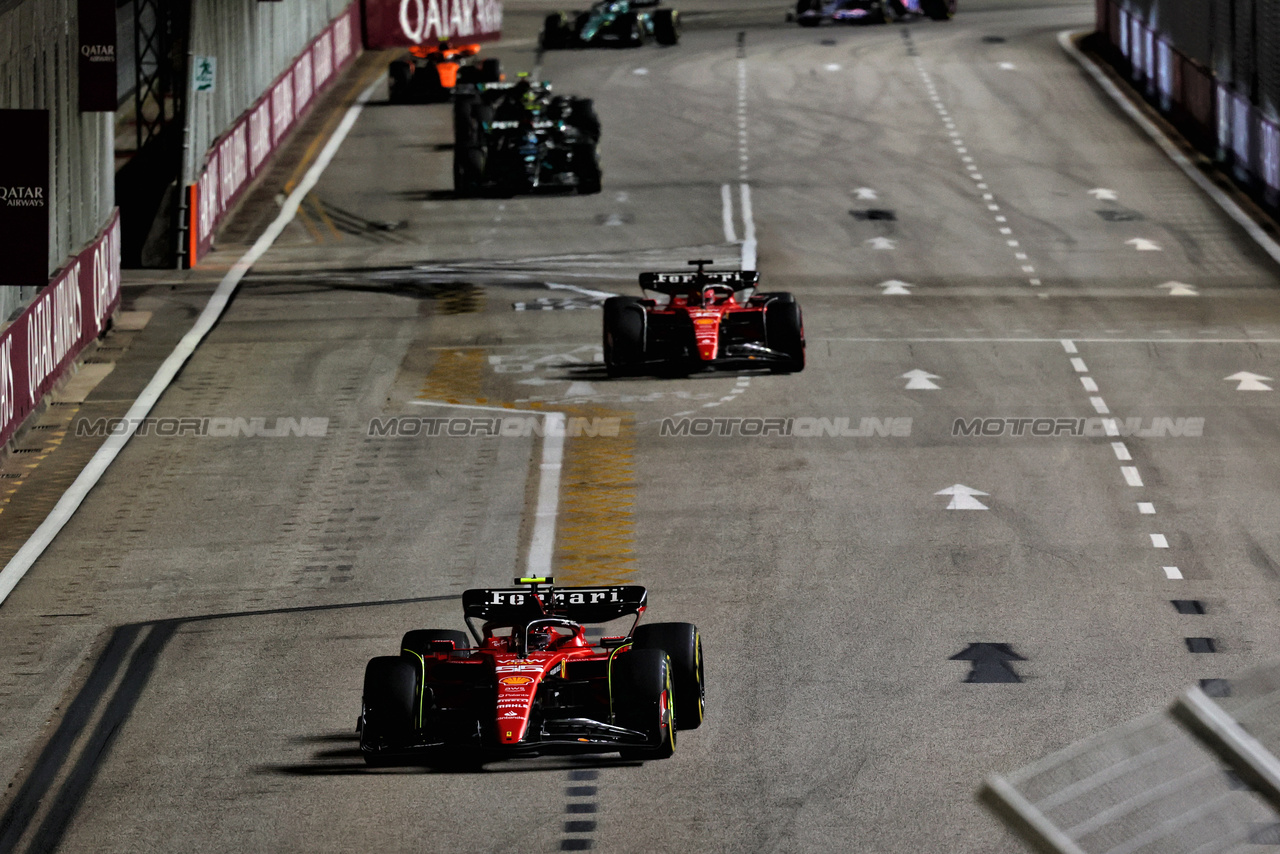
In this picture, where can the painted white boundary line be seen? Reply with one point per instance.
(1223, 200)
(726, 203)
(748, 231)
(543, 541)
(71, 500)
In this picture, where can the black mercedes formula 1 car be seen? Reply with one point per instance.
(704, 319)
(533, 682)
(622, 23)
(813, 13)
(516, 138)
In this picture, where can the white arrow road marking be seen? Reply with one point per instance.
(1180, 289)
(832, 66)
(920, 379)
(1104, 195)
(882, 243)
(865, 193)
(614, 219)
(962, 497)
(1250, 382)
(1008, 66)
(580, 389)
(895, 288)
(1144, 245)
(640, 71)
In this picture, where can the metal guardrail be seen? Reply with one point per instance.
(1200, 778)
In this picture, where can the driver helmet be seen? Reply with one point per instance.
(539, 638)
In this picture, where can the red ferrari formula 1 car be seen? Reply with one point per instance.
(533, 683)
(704, 319)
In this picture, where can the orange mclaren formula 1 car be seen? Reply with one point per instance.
(533, 682)
(430, 73)
(700, 320)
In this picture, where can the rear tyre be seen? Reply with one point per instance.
(683, 645)
(586, 165)
(631, 25)
(784, 331)
(641, 697)
(432, 641)
(623, 335)
(553, 31)
(388, 699)
(490, 71)
(666, 26)
(581, 114)
(468, 155)
(399, 73)
(938, 10)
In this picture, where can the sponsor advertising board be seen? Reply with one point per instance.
(96, 22)
(24, 198)
(404, 23)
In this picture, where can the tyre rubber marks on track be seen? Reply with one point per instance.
(970, 166)
(580, 810)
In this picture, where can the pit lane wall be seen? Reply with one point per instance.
(238, 155)
(1212, 69)
(72, 310)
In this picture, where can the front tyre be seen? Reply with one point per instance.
(938, 10)
(388, 715)
(641, 697)
(666, 26)
(683, 645)
(784, 332)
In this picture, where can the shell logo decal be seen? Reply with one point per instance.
(515, 680)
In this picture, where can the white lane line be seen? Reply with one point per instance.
(1189, 169)
(1131, 475)
(71, 500)
(1089, 383)
(1146, 508)
(1069, 345)
(1158, 541)
(1121, 450)
(547, 509)
(748, 231)
(1100, 405)
(726, 201)
(1079, 365)
(1172, 573)
(1110, 427)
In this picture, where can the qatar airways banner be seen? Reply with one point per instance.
(239, 155)
(404, 23)
(72, 310)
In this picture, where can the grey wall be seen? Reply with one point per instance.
(38, 71)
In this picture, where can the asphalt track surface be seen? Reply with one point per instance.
(191, 648)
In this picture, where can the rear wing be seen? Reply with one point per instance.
(580, 604)
(683, 283)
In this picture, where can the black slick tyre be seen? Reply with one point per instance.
(433, 641)
(399, 74)
(784, 332)
(553, 31)
(389, 698)
(623, 335)
(641, 696)
(938, 10)
(490, 71)
(586, 166)
(631, 25)
(683, 645)
(666, 26)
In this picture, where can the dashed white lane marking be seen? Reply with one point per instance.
(1131, 475)
(1122, 452)
(1089, 383)
(748, 230)
(1069, 345)
(1110, 427)
(1146, 508)
(1172, 573)
(1100, 405)
(1158, 541)
(1079, 365)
